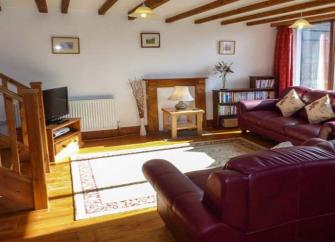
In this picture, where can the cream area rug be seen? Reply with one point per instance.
(113, 182)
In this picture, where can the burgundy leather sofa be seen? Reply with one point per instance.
(264, 118)
(283, 195)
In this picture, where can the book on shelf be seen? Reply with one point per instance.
(227, 110)
(265, 83)
(234, 97)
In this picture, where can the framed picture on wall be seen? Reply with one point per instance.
(227, 47)
(150, 40)
(65, 45)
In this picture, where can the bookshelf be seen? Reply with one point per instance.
(225, 102)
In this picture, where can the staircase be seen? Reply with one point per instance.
(23, 150)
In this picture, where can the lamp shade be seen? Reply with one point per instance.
(142, 12)
(301, 24)
(181, 93)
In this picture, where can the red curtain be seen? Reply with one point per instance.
(283, 64)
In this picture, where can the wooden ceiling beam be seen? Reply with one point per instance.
(198, 10)
(106, 6)
(42, 6)
(65, 6)
(292, 8)
(293, 16)
(314, 19)
(245, 9)
(149, 3)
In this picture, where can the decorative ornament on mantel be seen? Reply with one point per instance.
(223, 69)
(139, 95)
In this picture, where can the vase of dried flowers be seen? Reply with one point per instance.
(143, 131)
(139, 95)
(223, 69)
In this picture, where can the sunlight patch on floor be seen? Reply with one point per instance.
(98, 149)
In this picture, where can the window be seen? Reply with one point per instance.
(312, 56)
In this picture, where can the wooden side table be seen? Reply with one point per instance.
(175, 126)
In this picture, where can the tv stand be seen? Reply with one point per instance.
(57, 121)
(62, 147)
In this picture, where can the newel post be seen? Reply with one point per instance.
(36, 147)
(38, 86)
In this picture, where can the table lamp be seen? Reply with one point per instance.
(181, 94)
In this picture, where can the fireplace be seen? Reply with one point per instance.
(152, 84)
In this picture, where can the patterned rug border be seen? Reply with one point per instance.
(98, 155)
(93, 205)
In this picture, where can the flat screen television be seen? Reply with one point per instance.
(56, 104)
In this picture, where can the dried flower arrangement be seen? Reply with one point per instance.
(139, 95)
(223, 69)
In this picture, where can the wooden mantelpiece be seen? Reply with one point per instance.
(152, 84)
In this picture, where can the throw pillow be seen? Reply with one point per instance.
(290, 103)
(320, 110)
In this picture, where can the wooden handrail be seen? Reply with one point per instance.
(12, 81)
(11, 94)
(36, 147)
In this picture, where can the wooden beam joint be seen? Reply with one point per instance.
(245, 9)
(65, 6)
(292, 8)
(42, 6)
(106, 6)
(198, 10)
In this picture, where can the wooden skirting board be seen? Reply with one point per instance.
(105, 134)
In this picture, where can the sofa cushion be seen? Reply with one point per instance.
(320, 110)
(290, 103)
(301, 91)
(278, 124)
(257, 116)
(303, 131)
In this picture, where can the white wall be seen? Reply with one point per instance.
(111, 53)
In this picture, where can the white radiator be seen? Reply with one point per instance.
(95, 114)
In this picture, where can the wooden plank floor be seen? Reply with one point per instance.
(58, 223)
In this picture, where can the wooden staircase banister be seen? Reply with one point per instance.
(36, 147)
(11, 94)
(38, 86)
(12, 81)
(33, 129)
(11, 124)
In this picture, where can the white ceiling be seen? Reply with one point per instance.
(169, 9)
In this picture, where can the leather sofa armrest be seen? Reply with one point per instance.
(257, 105)
(327, 130)
(184, 198)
